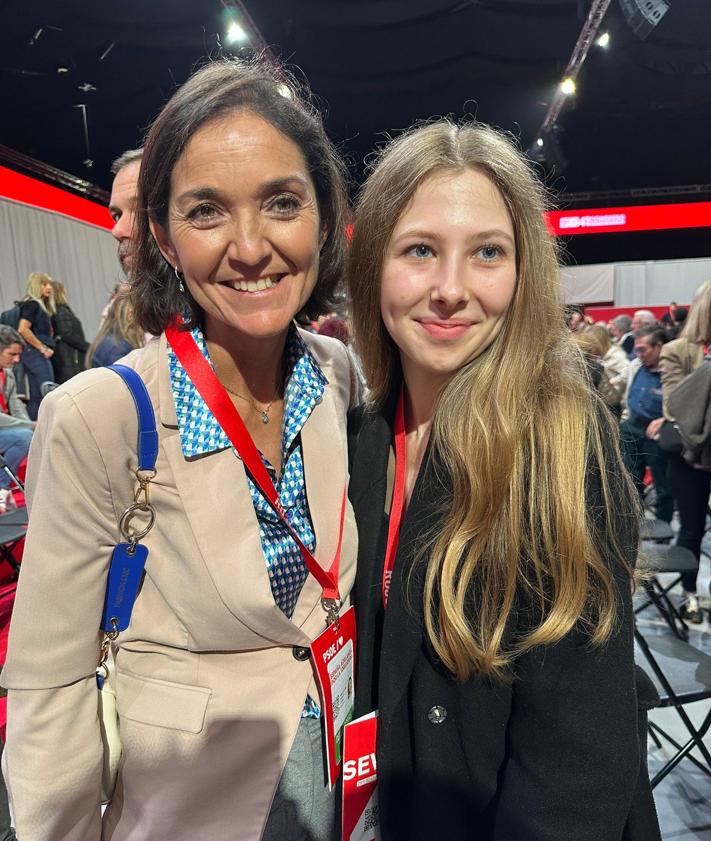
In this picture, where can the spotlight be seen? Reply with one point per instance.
(236, 34)
(62, 69)
(604, 40)
(567, 86)
(539, 141)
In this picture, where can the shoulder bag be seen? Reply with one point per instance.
(126, 569)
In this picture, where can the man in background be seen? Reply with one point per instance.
(642, 409)
(122, 204)
(669, 317)
(15, 424)
(621, 331)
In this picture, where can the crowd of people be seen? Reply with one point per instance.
(475, 509)
(636, 361)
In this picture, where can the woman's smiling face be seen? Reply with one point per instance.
(449, 272)
(243, 225)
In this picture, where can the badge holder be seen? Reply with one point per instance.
(333, 657)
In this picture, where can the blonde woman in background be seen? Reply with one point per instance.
(689, 485)
(596, 342)
(35, 327)
(118, 335)
(71, 345)
(496, 641)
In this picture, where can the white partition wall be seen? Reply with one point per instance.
(652, 282)
(80, 255)
(659, 281)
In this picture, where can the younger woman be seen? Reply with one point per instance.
(495, 624)
(71, 348)
(118, 335)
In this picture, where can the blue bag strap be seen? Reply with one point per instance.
(128, 559)
(147, 447)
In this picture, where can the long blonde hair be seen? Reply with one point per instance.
(697, 327)
(60, 294)
(594, 339)
(518, 430)
(33, 291)
(120, 322)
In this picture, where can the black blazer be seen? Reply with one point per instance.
(71, 346)
(558, 754)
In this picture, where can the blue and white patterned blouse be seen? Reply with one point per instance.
(200, 433)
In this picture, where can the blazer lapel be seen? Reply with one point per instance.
(214, 492)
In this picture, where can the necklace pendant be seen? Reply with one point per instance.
(265, 417)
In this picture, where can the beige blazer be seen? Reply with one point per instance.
(209, 690)
(678, 359)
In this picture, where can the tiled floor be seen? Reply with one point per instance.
(683, 798)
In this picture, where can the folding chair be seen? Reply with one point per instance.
(663, 558)
(682, 675)
(658, 531)
(11, 474)
(13, 527)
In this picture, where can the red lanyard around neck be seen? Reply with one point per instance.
(213, 393)
(398, 502)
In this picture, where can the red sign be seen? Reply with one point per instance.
(360, 819)
(648, 217)
(26, 190)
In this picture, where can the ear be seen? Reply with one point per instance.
(163, 241)
(323, 236)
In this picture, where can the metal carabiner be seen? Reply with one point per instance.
(132, 535)
(333, 610)
(109, 637)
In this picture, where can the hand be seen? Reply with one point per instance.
(653, 428)
(47, 352)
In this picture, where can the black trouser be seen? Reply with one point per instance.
(639, 452)
(691, 491)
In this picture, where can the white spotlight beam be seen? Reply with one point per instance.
(255, 39)
(597, 12)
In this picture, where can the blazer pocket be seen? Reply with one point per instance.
(161, 703)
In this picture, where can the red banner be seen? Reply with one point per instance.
(26, 190)
(647, 217)
(608, 313)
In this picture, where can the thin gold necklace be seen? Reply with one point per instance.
(263, 412)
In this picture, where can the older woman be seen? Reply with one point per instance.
(35, 327)
(494, 604)
(689, 485)
(240, 230)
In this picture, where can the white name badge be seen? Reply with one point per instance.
(333, 655)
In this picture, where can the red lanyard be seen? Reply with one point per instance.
(398, 503)
(212, 392)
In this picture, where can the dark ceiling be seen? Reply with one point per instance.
(641, 117)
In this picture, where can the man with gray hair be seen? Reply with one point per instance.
(15, 424)
(122, 204)
(642, 319)
(621, 332)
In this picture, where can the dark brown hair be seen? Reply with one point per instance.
(272, 93)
